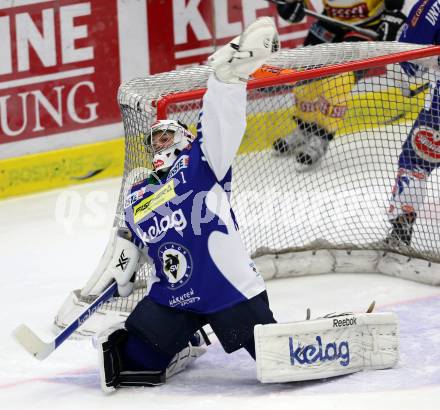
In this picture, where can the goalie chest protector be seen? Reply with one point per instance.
(188, 229)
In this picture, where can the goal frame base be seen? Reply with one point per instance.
(323, 261)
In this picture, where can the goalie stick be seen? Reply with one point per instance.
(416, 91)
(40, 349)
(407, 92)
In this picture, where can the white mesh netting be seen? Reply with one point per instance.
(283, 206)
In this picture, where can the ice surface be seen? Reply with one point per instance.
(51, 242)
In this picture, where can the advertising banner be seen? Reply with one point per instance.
(59, 67)
(61, 62)
(186, 32)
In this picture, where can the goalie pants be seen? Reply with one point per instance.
(157, 332)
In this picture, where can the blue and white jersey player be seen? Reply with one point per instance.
(183, 217)
(420, 153)
(180, 220)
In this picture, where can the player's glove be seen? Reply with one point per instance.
(390, 23)
(410, 69)
(234, 62)
(421, 66)
(118, 263)
(292, 11)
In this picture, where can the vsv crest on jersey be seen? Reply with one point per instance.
(177, 264)
(312, 353)
(426, 143)
(175, 220)
(181, 163)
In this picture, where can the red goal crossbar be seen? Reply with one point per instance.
(374, 62)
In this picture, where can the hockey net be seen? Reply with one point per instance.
(296, 220)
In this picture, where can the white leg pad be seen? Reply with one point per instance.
(328, 347)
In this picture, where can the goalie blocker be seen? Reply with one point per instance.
(326, 347)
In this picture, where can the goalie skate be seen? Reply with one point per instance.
(312, 151)
(290, 144)
(401, 233)
(111, 367)
(307, 148)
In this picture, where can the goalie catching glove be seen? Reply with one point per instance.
(234, 62)
(118, 263)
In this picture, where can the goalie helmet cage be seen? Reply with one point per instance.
(331, 217)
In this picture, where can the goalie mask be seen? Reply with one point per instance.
(165, 140)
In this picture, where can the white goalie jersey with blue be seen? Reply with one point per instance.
(185, 222)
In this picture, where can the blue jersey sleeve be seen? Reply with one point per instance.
(423, 23)
(421, 27)
(222, 124)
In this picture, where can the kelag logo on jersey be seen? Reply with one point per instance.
(318, 353)
(426, 143)
(175, 220)
(177, 264)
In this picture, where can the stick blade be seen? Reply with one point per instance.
(32, 343)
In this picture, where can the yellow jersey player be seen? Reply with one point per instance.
(321, 105)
